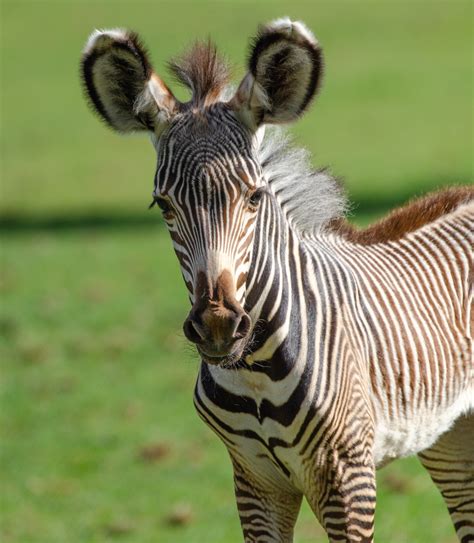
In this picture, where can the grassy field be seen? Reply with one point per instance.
(100, 441)
(100, 438)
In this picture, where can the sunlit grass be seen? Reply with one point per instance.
(100, 438)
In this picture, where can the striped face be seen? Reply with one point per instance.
(208, 186)
(208, 182)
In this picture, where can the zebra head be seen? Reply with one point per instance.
(209, 182)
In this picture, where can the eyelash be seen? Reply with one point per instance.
(163, 204)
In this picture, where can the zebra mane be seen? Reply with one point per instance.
(311, 199)
(202, 71)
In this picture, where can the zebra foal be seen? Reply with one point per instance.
(326, 351)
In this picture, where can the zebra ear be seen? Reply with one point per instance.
(121, 85)
(285, 68)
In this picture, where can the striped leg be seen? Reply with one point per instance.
(267, 511)
(450, 462)
(345, 501)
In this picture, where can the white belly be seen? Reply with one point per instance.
(408, 436)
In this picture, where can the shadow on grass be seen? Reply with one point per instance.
(86, 221)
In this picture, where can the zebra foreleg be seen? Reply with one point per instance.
(344, 500)
(450, 463)
(267, 509)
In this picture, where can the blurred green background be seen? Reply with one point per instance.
(100, 441)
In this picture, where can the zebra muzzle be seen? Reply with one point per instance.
(217, 323)
(217, 332)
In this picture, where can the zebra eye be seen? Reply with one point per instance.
(256, 197)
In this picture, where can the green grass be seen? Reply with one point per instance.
(100, 441)
(95, 371)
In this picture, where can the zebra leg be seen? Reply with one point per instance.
(267, 508)
(344, 500)
(450, 463)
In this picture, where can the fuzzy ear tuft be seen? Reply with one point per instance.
(120, 83)
(285, 68)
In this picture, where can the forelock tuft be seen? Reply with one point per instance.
(201, 70)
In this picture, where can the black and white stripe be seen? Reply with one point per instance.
(366, 357)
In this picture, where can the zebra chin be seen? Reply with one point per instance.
(228, 359)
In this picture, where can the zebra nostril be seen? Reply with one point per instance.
(193, 331)
(243, 327)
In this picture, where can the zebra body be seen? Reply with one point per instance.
(407, 376)
(326, 352)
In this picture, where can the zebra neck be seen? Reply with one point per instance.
(273, 294)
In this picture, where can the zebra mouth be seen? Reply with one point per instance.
(220, 360)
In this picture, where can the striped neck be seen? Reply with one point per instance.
(272, 284)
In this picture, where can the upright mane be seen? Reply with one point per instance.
(203, 72)
(312, 199)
